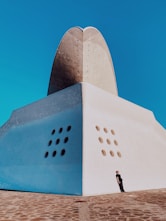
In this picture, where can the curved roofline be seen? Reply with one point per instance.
(82, 55)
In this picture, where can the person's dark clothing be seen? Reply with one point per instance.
(118, 176)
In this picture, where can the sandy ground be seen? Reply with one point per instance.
(131, 206)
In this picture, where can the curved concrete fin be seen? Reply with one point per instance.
(82, 56)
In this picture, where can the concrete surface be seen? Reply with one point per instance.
(38, 152)
(132, 206)
(120, 135)
(107, 133)
(82, 56)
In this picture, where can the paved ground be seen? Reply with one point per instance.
(132, 206)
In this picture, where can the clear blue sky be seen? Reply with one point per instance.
(135, 31)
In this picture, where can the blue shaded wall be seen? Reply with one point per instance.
(41, 145)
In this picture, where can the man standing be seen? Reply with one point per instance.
(119, 181)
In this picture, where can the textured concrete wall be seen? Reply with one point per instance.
(119, 135)
(41, 145)
(73, 141)
(82, 56)
(98, 68)
(51, 105)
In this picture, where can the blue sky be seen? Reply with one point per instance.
(31, 30)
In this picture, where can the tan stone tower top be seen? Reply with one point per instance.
(82, 56)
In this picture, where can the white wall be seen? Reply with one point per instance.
(140, 139)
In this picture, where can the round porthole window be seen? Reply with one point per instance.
(112, 132)
(108, 141)
(63, 152)
(100, 139)
(111, 153)
(103, 152)
(116, 142)
(97, 128)
(69, 128)
(50, 142)
(54, 153)
(46, 155)
(60, 130)
(119, 154)
(57, 141)
(66, 139)
(53, 131)
(105, 130)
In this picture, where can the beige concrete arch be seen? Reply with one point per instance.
(83, 56)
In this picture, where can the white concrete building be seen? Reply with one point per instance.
(73, 141)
